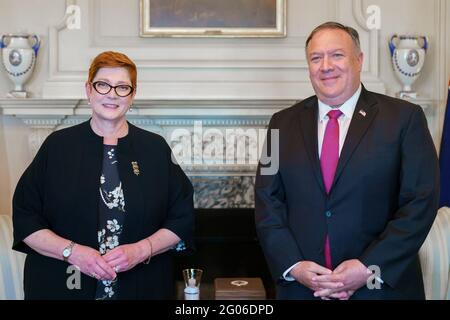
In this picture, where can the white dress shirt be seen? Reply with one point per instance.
(347, 108)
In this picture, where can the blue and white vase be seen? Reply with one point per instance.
(19, 52)
(408, 57)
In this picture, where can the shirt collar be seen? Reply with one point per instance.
(347, 108)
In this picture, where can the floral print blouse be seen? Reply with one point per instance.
(111, 216)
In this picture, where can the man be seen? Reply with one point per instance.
(357, 187)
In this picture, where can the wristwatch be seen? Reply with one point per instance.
(68, 251)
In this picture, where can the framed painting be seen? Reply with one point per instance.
(213, 18)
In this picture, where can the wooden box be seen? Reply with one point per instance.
(239, 289)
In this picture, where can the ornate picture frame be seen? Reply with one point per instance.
(213, 18)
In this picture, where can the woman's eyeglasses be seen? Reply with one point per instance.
(122, 90)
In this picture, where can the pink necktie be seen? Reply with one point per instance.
(329, 158)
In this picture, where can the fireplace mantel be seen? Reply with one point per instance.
(217, 185)
(40, 112)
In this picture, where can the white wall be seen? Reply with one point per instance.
(33, 17)
(409, 17)
(399, 16)
(117, 21)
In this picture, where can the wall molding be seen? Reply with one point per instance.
(226, 69)
(360, 17)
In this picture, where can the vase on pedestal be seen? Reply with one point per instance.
(19, 52)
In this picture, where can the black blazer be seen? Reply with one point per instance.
(383, 200)
(59, 191)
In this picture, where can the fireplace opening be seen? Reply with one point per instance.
(226, 247)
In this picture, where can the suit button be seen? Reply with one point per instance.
(328, 214)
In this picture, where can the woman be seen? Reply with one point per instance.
(106, 197)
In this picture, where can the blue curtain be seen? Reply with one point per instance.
(444, 157)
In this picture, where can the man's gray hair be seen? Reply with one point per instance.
(336, 26)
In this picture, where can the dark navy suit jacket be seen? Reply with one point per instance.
(382, 203)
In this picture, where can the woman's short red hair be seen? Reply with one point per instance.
(111, 59)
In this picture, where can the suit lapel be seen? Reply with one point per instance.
(308, 128)
(365, 112)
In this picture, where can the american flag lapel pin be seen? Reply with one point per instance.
(135, 166)
(362, 112)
